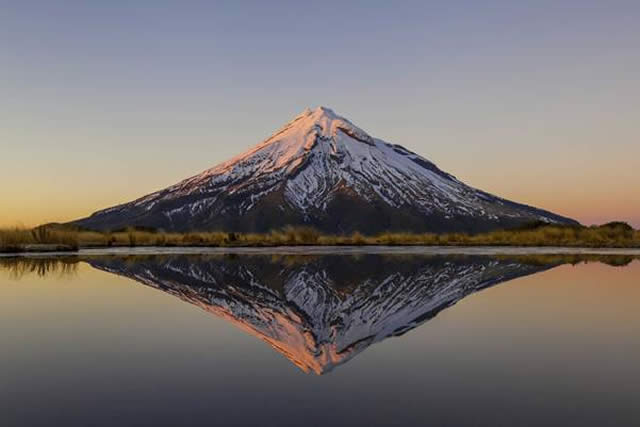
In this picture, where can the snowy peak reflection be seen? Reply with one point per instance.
(320, 312)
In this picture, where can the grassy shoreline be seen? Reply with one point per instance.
(58, 238)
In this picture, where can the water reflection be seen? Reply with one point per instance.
(18, 267)
(318, 311)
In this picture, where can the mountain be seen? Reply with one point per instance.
(323, 171)
(320, 312)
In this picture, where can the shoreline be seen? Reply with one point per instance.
(35, 251)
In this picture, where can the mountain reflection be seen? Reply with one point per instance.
(320, 312)
(317, 310)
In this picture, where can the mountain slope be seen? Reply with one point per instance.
(321, 170)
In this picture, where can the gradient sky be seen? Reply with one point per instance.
(102, 102)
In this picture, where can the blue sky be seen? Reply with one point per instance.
(106, 101)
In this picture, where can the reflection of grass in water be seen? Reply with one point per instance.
(297, 259)
(17, 268)
(573, 259)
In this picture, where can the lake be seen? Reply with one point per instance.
(332, 337)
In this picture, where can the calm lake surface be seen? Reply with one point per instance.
(305, 340)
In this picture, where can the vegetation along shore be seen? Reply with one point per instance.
(55, 237)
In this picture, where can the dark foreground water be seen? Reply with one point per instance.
(354, 340)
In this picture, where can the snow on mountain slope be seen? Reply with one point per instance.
(315, 311)
(302, 170)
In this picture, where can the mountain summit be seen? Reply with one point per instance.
(322, 170)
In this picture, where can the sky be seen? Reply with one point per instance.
(103, 102)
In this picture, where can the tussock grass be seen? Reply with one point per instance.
(18, 239)
(616, 234)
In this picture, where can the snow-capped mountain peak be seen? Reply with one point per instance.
(320, 169)
(286, 147)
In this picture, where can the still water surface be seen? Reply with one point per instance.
(366, 339)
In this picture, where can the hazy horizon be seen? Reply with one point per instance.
(106, 102)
